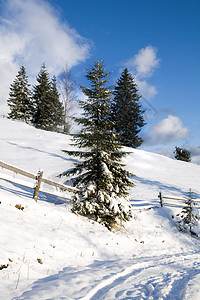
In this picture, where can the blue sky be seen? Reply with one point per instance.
(157, 40)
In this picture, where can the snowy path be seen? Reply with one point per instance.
(163, 277)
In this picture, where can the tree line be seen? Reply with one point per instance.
(42, 107)
(111, 118)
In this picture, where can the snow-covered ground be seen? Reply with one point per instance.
(49, 253)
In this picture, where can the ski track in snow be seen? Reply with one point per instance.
(165, 277)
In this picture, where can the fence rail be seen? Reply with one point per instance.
(38, 181)
(17, 170)
(163, 203)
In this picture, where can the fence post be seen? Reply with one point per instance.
(161, 199)
(37, 186)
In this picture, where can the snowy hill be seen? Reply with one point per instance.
(46, 252)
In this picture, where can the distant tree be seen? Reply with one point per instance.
(20, 101)
(100, 176)
(48, 109)
(68, 92)
(182, 154)
(127, 112)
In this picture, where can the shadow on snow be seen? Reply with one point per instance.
(26, 192)
(42, 151)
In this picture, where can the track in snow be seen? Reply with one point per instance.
(157, 278)
(165, 277)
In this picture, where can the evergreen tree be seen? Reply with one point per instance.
(20, 101)
(48, 110)
(102, 181)
(127, 112)
(182, 154)
(41, 96)
(189, 215)
(58, 109)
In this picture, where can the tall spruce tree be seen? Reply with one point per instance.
(102, 181)
(20, 101)
(42, 100)
(48, 111)
(127, 112)
(58, 109)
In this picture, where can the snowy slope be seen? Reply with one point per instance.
(50, 253)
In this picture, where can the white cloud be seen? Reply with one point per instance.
(142, 66)
(146, 90)
(144, 62)
(31, 33)
(165, 131)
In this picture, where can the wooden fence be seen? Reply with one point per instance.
(181, 201)
(36, 186)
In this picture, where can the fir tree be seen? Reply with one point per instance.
(41, 96)
(127, 112)
(58, 109)
(48, 109)
(189, 215)
(20, 101)
(182, 154)
(102, 181)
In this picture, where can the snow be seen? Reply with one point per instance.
(50, 253)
